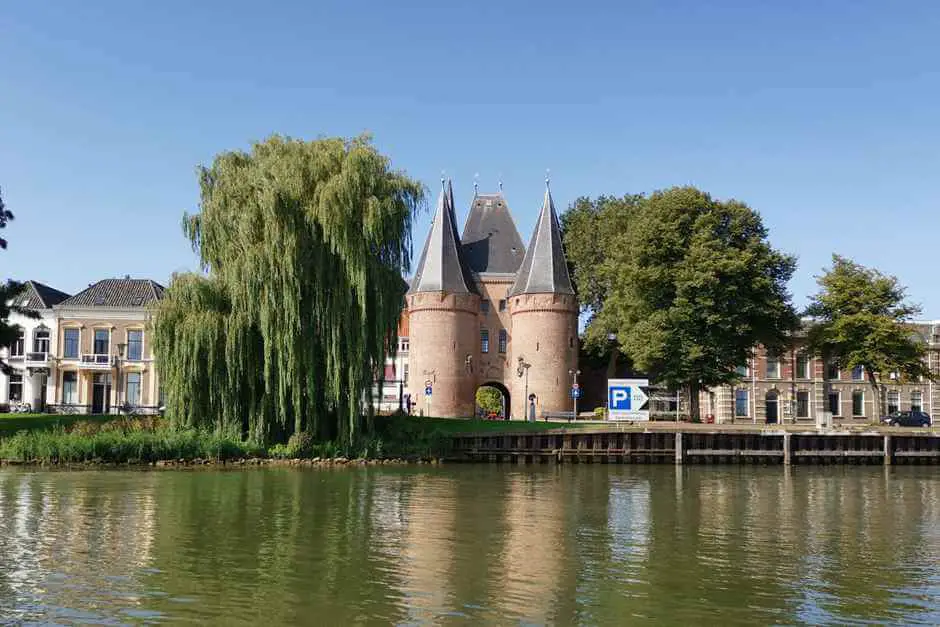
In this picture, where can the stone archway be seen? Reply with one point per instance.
(504, 407)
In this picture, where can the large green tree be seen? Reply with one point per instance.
(687, 284)
(8, 292)
(305, 244)
(861, 319)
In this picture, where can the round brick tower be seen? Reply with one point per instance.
(544, 314)
(442, 309)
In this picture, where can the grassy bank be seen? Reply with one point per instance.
(11, 423)
(146, 440)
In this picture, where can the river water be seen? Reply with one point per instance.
(610, 545)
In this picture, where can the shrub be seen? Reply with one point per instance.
(300, 444)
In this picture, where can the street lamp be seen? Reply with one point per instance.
(121, 346)
(523, 370)
(574, 393)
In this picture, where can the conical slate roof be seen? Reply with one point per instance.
(440, 268)
(544, 270)
(491, 242)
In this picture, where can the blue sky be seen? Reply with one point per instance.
(822, 115)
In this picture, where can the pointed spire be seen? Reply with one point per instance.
(440, 268)
(544, 269)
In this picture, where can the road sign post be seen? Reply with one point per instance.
(628, 399)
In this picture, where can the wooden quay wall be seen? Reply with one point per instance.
(691, 445)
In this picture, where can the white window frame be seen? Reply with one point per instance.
(78, 353)
(776, 360)
(747, 404)
(862, 394)
(127, 344)
(838, 394)
(798, 393)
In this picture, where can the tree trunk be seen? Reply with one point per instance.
(695, 414)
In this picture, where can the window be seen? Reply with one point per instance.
(916, 402)
(802, 366)
(135, 345)
(41, 340)
(484, 341)
(741, 370)
(389, 374)
(502, 304)
(16, 388)
(19, 345)
(404, 374)
(802, 404)
(102, 340)
(69, 388)
(773, 367)
(835, 403)
(485, 306)
(740, 403)
(858, 373)
(70, 350)
(403, 345)
(503, 339)
(132, 390)
(832, 371)
(894, 401)
(858, 403)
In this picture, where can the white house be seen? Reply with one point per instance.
(32, 355)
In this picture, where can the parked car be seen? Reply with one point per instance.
(907, 419)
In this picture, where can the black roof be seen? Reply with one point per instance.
(544, 269)
(441, 268)
(39, 296)
(124, 292)
(491, 242)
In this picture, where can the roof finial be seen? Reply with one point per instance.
(443, 181)
(476, 183)
(548, 178)
(500, 182)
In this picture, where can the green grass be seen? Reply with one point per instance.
(463, 425)
(11, 423)
(121, 439)
(117, 446)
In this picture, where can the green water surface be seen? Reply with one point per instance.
(609, 545)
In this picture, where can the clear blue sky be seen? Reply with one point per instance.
(822, 115)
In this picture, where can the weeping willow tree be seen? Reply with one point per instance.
(304, 244)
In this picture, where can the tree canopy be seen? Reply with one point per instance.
(304, 244)
(687, 284)
(861, 319)
(8, 291)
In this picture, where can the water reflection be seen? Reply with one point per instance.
(595, 544)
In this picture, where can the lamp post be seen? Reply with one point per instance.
(574, 394)
(522, 370)
(121, 346)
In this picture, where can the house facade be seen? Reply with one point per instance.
(796, 387)
(32, 356)
(104, 354)
(391, 393)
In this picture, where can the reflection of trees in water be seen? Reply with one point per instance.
(79, 541)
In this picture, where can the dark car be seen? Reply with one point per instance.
(907, 419)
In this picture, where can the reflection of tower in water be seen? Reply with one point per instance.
(526, 582)
(416, 518)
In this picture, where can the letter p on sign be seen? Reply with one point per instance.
(620, 398)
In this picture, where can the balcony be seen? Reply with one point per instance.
(96, 361)
(37, 359)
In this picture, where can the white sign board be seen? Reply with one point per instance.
(627, 399)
